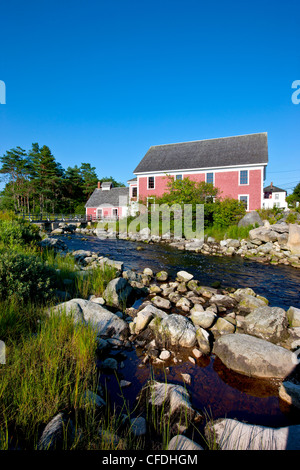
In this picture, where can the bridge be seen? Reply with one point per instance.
(53, 220)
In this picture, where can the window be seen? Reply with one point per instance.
(99, 213)
(178, 177)
(210, 178)
(277, 196)
(244, 177)
(115, 212)
(151, 181)
(244, 200)
(134, 192)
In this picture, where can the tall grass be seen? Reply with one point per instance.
(233, 231)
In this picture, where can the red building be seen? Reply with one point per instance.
(235, 165)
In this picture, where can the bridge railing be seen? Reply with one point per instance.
(42, 218)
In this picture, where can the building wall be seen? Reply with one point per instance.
(228, 182)
(271, 202)
(106, 211)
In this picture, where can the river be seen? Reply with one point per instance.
(215, 389)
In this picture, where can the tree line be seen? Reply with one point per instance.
(35, 182)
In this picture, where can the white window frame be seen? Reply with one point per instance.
(180, 179)
(276, 196)
(99, 213)
(148, 182)
(210, 173)
(248, 178)
(113, 210)
(132, 188)
(248, 200)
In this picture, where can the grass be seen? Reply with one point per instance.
(220, 233)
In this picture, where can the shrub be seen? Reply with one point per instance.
(18, 231)
(24, 277)
(228, 212)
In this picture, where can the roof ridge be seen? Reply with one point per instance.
(214, 138)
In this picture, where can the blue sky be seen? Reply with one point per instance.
(100, 82)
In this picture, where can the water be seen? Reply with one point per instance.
(279, 284)
(214, 388)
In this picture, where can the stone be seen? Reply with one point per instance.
(138, 426)
(165, 355)
(269, 323)
(93, 399)
(161, 302)
(205, 319)
(143, 319)
(231, 434)
(203, 340)
(125, 383)
(290, 393)
(293, 315)
(54, 434)
(162, 276)
(118, 293)
(53, 243)
(178, 330)
(181, 442)
(184, 304)
(251, 218)
(223, 301)
(254, 357)
(172, 402)
(187, 378)
(250, 303)
(109, 364)
(183, 276)
(223, 326)
(233, 243)
(148, 272)
(101, 319)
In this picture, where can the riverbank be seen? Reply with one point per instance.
(277, 244)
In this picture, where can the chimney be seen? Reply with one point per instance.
(272, 184)
(99, 184)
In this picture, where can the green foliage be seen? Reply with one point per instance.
(18, 231)
(228, 212)
(24, 277)
(187, 191)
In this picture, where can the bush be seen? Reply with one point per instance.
(24, 277)
(18, 232)
(228, 212)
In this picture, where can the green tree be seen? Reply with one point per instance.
(187, 191)
(89, 179)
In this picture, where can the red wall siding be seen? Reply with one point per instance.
(106, 211)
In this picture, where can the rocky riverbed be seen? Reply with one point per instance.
(169, 321)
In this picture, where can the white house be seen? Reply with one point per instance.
(274, 197)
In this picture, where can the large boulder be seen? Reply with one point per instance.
(56, 434)
(178, 330)
(263, 234)
(293, 315)
(181, 442)
(293, 243)
(254, 357)
(53, 243)
(102, 320)
(119, 293)
(230, 434)
(251, 218)
(290, 393)
(269, 323)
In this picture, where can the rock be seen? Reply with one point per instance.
(178, 330)
(165, 355)
(142, 320)
(194, 245)
(223, 326)
(293, 315)
(205, 319)
(184, 304)
(93, 399)
(156, 312)
(57, 231)
(154, 289)
(171, 402)
(86, 311)
(181, 442)
(254, 357)
(161, 302)
(183, 276)
(290, 393)
(138, 426)
(250, 303)
(148, 272)
(203, 340)
(118, 293)
(251, 218)
(55, 433)
(118, 265)
(187, 378)
(269, 323)
(54, 243)
(223, 301)
(263, 234)
(233, 243)
(230, 434)
(162, 276)
(124, 383)
(240, 293)
(109, 364)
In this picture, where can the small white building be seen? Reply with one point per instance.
(274, 197)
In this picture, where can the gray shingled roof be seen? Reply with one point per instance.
(274, 189)
(110, 197)
(226, 151)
